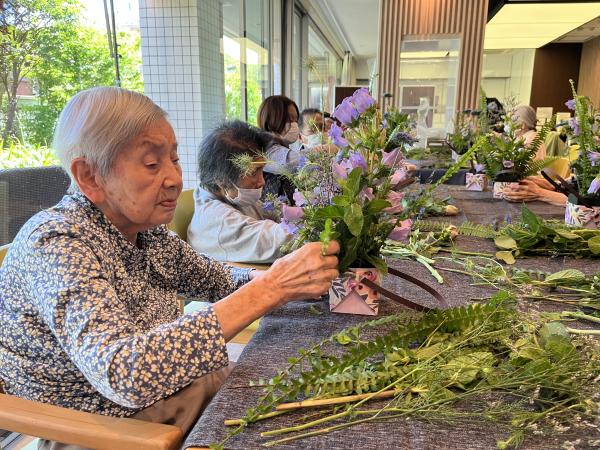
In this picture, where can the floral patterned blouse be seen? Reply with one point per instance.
(91, 322)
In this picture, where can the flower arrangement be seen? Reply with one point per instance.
(353, 196)
(464, 132)
(507, 159)
(584, 129)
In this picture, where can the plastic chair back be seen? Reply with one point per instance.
(573, 152)
(183, 213)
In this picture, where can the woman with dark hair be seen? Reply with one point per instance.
(230, 222)
(279, 115)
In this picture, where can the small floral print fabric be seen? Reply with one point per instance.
(90, 321)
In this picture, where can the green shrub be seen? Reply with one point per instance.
(16, 154)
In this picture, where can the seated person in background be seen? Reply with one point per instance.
(534, 188)
(229, 222)
(88, 290)
(526, 120)
(278, 115)
(312, 135)
(327, 121)
(311, 127)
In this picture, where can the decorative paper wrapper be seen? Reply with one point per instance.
(476, 182)
(348, 296)
(499, 187)
(582, 216)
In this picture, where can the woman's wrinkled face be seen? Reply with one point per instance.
(142, 188)
(255, 180)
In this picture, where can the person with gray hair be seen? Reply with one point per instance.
(526, 119)
(88, 291)
(230, 222)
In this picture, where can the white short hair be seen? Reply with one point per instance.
(525, 114)
(98, 122)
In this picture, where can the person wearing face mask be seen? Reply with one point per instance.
(278, 115)
(311, 127)
(230, 222)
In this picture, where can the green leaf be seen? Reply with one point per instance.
(552, 329)
(352, 185)
(594, 245)
(505, 242)
(331, 211)
(340, 200)
(567, 234)
(353, 217)
(530, 219)
(349, 254)
(565, 277)
(378, 205)
(506, 256)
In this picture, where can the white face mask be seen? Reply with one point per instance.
(292, 134)
(245, 197)
(313, 140)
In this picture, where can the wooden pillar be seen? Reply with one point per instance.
(430, 18)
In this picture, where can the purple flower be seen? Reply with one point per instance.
(570, 104)
(268, 206)
(508, 164)
(362, 100)
(594, 186)
(302, 161)
(392, 158)
(292, 213)
(299, 198)
(401, 231)
(340, 171)
(399, 176)
(594, 158)
(395, 198)
(366, 193)
(479, 168)
(574, 124)
(289, 228)
(358, 160)
(283, 198)
(345, 112)
(335, 133)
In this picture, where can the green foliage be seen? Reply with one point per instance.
(15, 155)
(435, 361)
(535, 236)
(585, 115)
(234, 92)
(60, 57)
(506, 158)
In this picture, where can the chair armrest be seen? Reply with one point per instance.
(85, 429)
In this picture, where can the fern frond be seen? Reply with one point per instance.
(477, 230)
(534, 167)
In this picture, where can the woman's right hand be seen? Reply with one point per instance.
(305, 273)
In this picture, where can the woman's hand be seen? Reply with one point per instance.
(528, 190)
(525, 191)
(305, 273)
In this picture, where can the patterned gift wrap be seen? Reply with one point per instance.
(499, 187)
(476, 182)
(348, 295)
(582, 216)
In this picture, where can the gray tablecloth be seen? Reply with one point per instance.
(293, 327)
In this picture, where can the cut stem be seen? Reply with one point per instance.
(334, 401)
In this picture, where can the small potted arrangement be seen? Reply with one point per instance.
(506, 158)
(354, 197)
(462, 138)
(583, 193)
(476, 178)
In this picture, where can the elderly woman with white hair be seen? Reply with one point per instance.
(88, 290)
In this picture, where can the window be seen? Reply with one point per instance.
(428, 73)
(247, 56)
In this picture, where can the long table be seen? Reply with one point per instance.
(295, 326)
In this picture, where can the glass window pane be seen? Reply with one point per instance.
(232, 14)
(428, 73)
(257, 55)
(297, 58)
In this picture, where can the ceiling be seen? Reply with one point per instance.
(356, 22)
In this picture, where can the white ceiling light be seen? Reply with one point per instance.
(536, 24)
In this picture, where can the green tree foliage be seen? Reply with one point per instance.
(59, 61)
(234, 91)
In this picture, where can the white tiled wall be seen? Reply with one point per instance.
(183, 69)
